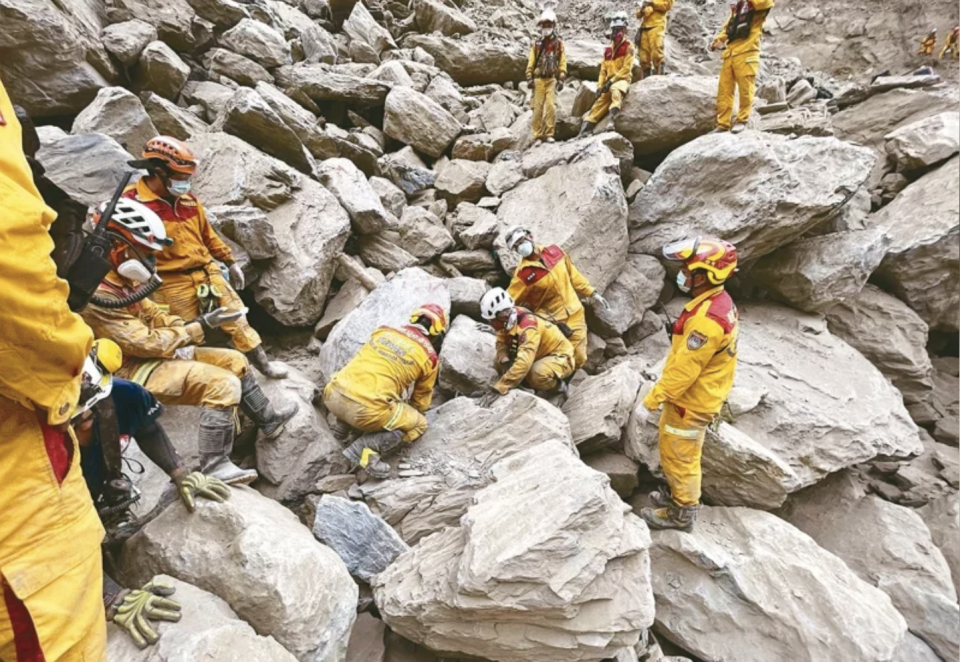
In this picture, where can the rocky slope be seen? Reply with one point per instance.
(364, 158)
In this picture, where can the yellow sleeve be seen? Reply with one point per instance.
(423, 389)
(516, 289)
(582, 286)
(526, 355)
(662, 6)
(502, 352)
(626, 67)
(214, 243)
(763, 5)
(603, 74)
(640, 11)
(134, 335)
(531, 59)
(722, 35)
(563, 61)
(702, 338)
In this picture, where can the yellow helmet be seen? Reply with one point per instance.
(108, 354)
(435, 317)
(716, 257)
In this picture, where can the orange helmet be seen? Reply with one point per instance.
(716, 257)
(435, 316)
(174, 154)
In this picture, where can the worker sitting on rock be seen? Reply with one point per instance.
(696, 379)
(928, 43)
(530, 350)
(547, 282)
(192, 280)
(368, 392)
(546, 71)
(653, 25)
(951, 46)
(162, 352)
(616, 74)
(741, 34)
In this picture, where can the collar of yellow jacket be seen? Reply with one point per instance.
(709, 294)
(144, 192)
(116, 279)
(530, 259)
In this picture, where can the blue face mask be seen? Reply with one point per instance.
(682, 282)
(179, 187)
(525, 249)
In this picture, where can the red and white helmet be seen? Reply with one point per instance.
(137, 222)
(715, 257)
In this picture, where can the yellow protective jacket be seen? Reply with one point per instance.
(951, 42)
(550, 58)
(388, 364)
(617, 63)
(143, 330)
(699, 371)
(654, 15)
(549, 285)
(47, 528)
(530, 339)
(195, 242)
(751, 43)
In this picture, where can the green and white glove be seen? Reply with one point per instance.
(150, 602)
(208, 487)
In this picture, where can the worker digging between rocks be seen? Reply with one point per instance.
(741, 34)
(951, 45)
(546, 72)
(696, 379)
(50, 566)
(192, 280)
(530, 350)
(368, 392)
(547, 283)
(616, 74)
(653, 25)
(162, 352)
(928, 43)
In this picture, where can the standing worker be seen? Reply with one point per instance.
(546, 70)
(653, 25)
(547, 282)
(741, 34)
(192, 281)
(951, 45)
(616, 74)
(696, 379)
(50, 569)
(928, 43)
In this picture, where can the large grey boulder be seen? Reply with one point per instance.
(389, 304)
(887, 546)
(580, 207)
(462, 181)
(212, 97)
(436, 16)
(942, 517)
(258, 41)
(923, 262)
(127, 39)
(303, 122)
(890, 335)
(208, 629)
(646, 122)
(782, 188)
(87, 167)
(249, 117)
(173, 19)
(566, 582)
(170, 119)
(407, 171)
(322, 84)
(467, 357)
(636, 289)
(310, 225)
(417, 120)
(541, 157)
(317, 44)
(243, 70)
(361, 26)
(365, 543)
(422, 234)
(224, 14)
(790, 599)
(474, 62)
(161, 70)
(599, 406)
(383, 252)
(342, 178)
(247, 226)
(925, 142)
(119, 114)
(254, 554)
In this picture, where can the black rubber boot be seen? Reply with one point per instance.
(217, 429)
(256, 405)
(661, 498)
(586, 129)
(365, 452)
(272, 369)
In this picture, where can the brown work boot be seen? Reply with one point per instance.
(365, 453)
(671, 517)
(661, 498)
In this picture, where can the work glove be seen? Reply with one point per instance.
(188, 353)
(198, 484)
(596, 300)
(716, 45)
(153, 602)
(487, 399)
(643, 414)
(559, 86)
(236, 276)
(217, 318)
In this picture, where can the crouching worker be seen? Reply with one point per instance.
(530, 350)
(367, 393)
(162, 352)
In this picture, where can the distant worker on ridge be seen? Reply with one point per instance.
(616, 74)
(653, 26)
(928, 43)
(546, 72)
(951, 45)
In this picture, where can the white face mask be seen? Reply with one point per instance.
(525, 249)
(546, 32)
(179, 187)
(682, 282)
(512, 322)
(134, 270)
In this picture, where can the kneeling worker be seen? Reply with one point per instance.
(367, 393)
(616, 74)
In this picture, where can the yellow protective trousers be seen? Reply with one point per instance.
(610, 99)
(544, 107)
(372, 415)
(578, 325)
(179, 293)
(739, 72)
(212, 380)
(681, 445)
(651, 47)
(546, 373)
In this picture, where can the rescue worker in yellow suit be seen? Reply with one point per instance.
(951, 45)
(50, 569)
(653, 17)
(530, 350)
(192, 280)
(696, 379)
(547, 282)
(740, 39)
(161, 351)
(616, 74)
(928, 43)
(368, 392)
(546, 72)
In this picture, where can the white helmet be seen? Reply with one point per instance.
(136, 222)
(618, 19)
(495, 301)
(514, 236)
(548, 16)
